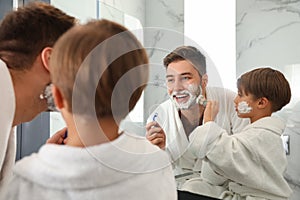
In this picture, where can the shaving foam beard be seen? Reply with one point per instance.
(47, 94)
(243, 107)
(192, 92)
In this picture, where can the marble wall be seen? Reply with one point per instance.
(135, 8)
(164, 32)
(268, 34)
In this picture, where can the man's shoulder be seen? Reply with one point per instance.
(163, 110)
(166, 105)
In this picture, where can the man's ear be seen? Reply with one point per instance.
(58, 98)
(263, 102)
(204, 81)
(45, 55)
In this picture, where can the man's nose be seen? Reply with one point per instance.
(178, 86)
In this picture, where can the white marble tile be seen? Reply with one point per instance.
(267, 33)
(165, 13)
(111, 13)
(135, 8)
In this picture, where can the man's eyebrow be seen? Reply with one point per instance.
(183, 74)
(186, 73)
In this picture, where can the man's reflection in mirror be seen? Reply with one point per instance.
(171, 124)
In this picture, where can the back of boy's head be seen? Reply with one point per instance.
(268, 83)
(104, 55)
(26, 32)
(189, 53)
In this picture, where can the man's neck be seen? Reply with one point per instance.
(21, 93)
(191, 118)
(28, 85)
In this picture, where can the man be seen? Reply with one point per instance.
(26, 39)
(177, 117)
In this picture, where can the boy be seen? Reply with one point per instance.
(253, 161)
(99, 71)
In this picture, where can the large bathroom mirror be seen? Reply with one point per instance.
(237, 36)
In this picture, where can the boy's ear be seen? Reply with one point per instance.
(45, 55)
(263, 102)
(58, 98)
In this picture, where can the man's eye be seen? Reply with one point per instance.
(170, 80)
(186, 78)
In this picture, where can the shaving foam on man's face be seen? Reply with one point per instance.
(47, 94)
(186, 98)
(183, 82)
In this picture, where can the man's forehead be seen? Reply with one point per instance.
(180, 67)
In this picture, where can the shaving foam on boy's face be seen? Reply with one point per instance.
(243, 107)
(184, 99)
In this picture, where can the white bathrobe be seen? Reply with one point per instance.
(129, 167)
(7, 134)
(176, 139)
(253, 162)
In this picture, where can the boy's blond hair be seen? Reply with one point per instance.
(112, 55)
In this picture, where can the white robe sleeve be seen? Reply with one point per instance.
(246, 158)
(204, 138)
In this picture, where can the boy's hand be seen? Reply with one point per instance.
(211, 111)
(58, 137)
(155, 134)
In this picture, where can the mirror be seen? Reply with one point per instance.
(261, 33)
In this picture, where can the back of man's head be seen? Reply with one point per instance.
(24, 33)
(190, 54)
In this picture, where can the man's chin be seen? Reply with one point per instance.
(182, 106)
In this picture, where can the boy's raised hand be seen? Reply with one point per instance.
(211, 111)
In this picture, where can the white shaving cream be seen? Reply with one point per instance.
(243, 107)
(192, 91)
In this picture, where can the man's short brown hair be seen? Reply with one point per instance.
(96, 47)
(268, 83)
(26, 32)
(189, 53)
